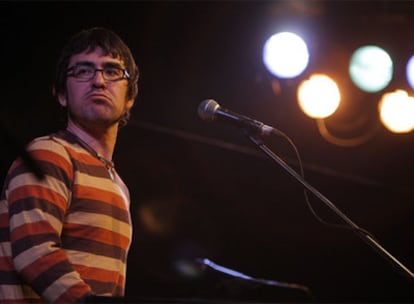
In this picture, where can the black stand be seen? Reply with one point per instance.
(360, 232)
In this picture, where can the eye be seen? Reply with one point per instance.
(113, 72)
(82, 71)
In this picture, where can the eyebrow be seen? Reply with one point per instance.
(105, 64)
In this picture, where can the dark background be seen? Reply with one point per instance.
(202, 189)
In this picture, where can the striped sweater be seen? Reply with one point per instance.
(67, 235)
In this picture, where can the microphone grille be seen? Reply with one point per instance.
(207, 109)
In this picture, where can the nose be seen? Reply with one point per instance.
(98, 79)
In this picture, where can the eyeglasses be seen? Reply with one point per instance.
(84, 72)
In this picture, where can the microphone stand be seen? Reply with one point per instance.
(360, 232)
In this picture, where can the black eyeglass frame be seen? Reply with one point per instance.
(125, 74)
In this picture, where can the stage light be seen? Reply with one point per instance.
(285, 55)
(410, 71)
(371, 68)
(319, 96)
(397, 111)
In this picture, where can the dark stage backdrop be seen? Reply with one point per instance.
(202, 190)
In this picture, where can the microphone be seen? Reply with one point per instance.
(210, 110)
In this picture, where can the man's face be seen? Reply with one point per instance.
(95, 103)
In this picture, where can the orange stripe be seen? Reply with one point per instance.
(100, 194)
(32, 229)
(38, 192)
(83, 157)
(42, 264)
(15, 164)
(4, 220)
(74, 293)
(100, 235)
(53, 158)
(100, 275)
(6, 264)
(25, 301)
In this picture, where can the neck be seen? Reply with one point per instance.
(103, 142)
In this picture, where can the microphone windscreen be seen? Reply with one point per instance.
(207, 109)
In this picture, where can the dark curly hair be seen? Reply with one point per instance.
(88, 40)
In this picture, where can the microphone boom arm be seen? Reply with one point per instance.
(360, 232)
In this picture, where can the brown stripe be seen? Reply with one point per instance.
(98, 170)
(49, 205)
(48, 169)
(99, 194)
(9, 278)
(101, 207)
(50, 275)
(22, 244)
(100, 235)
(91, 246)
(105, 287)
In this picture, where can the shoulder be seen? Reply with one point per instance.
(48, 146)
(50, 156)
(55, 143)
(54, 150)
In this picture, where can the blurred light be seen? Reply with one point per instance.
(285, 55)
(158, 215)
(410, 71)
(318, 96)
(397, 111)
(184, 258)
(189, 268)
(371, 68)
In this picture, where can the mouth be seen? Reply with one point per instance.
(99, 98)
(98, 95)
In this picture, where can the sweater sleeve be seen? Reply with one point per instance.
(37, 210)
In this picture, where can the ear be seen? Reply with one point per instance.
(62, 100)
(129, 104)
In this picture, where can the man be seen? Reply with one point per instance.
(65, 238)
